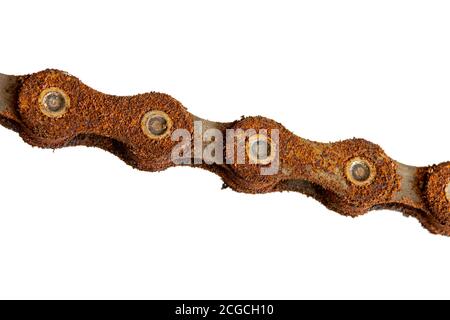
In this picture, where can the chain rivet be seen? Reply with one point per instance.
(156, 124)
(447, 192)
(360, 171)
(260, 149)
(54, 102)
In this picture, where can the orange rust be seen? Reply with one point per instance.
(319, 170)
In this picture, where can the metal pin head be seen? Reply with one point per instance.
(156, 124)
(447, 191)
(360, 171)
(260, 149)
(54, 102)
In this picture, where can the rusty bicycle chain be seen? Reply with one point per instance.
(52, 109)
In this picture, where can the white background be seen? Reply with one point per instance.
(79, 223)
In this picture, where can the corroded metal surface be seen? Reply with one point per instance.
(8, 91)
(52, 109)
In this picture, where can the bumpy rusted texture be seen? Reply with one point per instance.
(351, 177)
